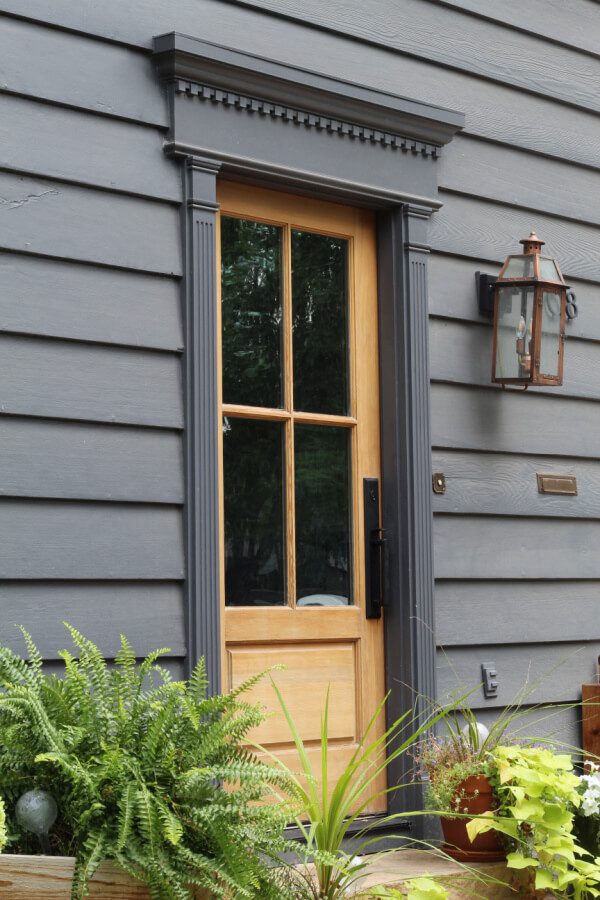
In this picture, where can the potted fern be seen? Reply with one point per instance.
(136, 764)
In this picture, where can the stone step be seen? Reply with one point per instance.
(489, 881)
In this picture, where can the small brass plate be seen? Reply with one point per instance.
(439, 483)
(557, 484)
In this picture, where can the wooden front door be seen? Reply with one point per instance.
(300, 412)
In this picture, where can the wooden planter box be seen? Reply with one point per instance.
(49, 878)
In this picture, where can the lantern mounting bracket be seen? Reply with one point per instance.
(485, 293)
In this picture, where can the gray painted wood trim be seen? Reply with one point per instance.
(461, 353)
(77, 461)
(471, 418)
(59, 539)
(310, 120)
(470, 613)
(561, 723)
(551, 673)
(452, 40)
(182, 57)
(521, 178)
(496, 547)
(43, 139)
(95, 226)
(506, 484)
(149, 613)
(406, 473)
(52, 298)
(310, 101)
(71, 380)
(80, 72)
(484, 230)
(573, 25)
(203, 560)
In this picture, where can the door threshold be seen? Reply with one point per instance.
(377, 825)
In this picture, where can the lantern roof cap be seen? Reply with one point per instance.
(532, 244)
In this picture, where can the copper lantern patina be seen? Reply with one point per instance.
(530, 301)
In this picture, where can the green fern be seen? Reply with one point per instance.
(137, 763)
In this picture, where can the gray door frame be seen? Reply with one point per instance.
(278, 126)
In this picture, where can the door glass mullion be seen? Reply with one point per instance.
(288, 402)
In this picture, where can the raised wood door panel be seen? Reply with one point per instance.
(328, 647)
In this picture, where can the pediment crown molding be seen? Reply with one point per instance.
(223, 75)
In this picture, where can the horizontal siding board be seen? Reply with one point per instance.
(551, 673)
(68, 380)
(462, 353)
(513, 422)
(491, 171)
(77, 71)
(60, 220)
(560, 723)
(427, 30)
(173, 665)
(149, 614)
(68, 144)
(99, 541)
(513, 612)
(492, 109)
(42, 458)
(574, 23)
(431, 31)
(40, 296)
(452, 293)
(488, 548)
(506, 484)
(468, 227)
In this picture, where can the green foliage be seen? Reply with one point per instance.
(463, 751)
(538, 794)
(332, 810)
(3, 834)
(425, 889)
(137, 764)
(415, 889)
(447, 763)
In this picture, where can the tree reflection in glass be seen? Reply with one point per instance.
(254, 530)
(251, 312)
(323, 555)
(320, 322)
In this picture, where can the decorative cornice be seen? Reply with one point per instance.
(290, 114)
(179, 57)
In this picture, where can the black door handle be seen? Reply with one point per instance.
(375, 547)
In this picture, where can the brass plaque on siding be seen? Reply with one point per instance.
(557, 484)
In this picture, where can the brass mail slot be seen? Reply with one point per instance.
(557, 484)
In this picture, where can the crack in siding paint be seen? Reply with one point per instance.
(16, 203)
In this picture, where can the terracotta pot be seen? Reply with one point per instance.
(476, 798)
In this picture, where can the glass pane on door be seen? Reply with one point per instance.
(251, 312)
(254, 513)
(320, 322)
(323, 536)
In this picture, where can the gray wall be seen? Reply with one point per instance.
(91, 325)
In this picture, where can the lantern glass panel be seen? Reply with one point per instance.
(550, 343)
(519, 267)
(548, 270)
(514, 332)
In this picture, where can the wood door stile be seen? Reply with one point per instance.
(325, 649)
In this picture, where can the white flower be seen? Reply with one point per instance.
(590, 802)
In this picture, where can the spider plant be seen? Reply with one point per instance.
(330, 812)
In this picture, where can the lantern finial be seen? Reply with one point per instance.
(532, 244)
